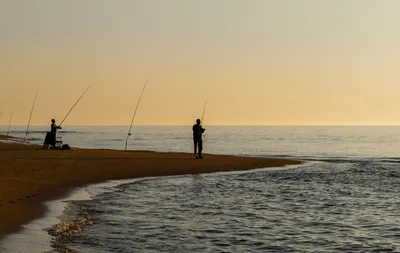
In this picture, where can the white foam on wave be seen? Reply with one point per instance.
(34, 238)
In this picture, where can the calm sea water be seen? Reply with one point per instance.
(345, 198)
(299, 141)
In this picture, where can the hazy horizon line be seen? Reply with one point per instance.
(24, 125)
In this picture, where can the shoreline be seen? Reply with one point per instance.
(34, 235)
(31, 177)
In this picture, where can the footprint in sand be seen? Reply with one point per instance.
(11, 202)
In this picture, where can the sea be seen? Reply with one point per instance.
(345, 197)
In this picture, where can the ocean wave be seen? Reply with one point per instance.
(30, 132)
(66, 229)
(179, 138)
(80, 132)
(35, 139)
(115, 139)
(69, 228)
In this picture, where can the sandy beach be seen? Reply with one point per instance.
(30, 176)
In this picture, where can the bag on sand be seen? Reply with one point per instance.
(65, 147)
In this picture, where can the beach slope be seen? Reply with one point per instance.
(30, 176)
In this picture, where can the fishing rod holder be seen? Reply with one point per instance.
(59, 142)
(54, 142)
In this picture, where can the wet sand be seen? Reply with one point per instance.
(30, 176)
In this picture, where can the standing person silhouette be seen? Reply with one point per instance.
(198, 131)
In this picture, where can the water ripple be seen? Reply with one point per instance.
(323, 207)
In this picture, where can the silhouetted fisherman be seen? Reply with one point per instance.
(198, 131)
(51, 136)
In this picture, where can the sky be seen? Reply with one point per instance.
(256, 62)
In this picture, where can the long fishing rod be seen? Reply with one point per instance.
(30, 117)
(134, 115)
(75, 105)
(9, 124)
(204, 111)
(202, 116)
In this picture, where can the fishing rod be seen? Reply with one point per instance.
(75, 105)
(9, 124)
(134, 114)
(30, 117)
(202, 116)
(204, 110)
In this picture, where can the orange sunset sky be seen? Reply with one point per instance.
(282, 62)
